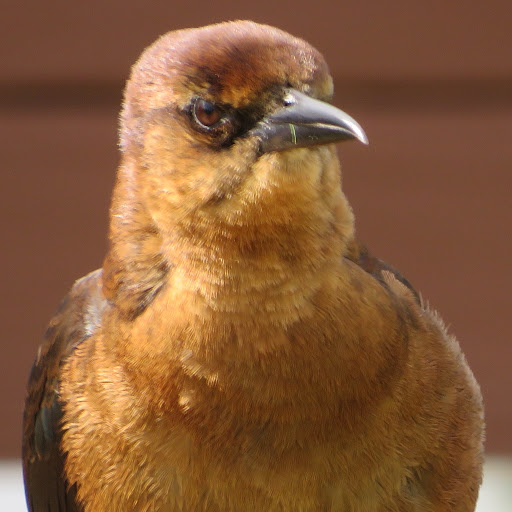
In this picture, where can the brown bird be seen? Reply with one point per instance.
(240, 350)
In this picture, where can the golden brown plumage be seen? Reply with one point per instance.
(241, 350)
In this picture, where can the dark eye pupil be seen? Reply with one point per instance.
(206, 112)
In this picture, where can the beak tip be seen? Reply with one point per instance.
(363, 138)
(359, 133)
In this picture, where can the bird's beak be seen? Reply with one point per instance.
(304, 121)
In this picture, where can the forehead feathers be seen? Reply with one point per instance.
(230, 62)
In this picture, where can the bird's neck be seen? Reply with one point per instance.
(276, 250)
(253, 265)
(240, 256)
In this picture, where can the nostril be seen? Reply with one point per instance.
(288, 100)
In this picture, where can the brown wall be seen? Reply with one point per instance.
(431, 83)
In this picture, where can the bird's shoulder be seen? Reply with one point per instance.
(77, 317)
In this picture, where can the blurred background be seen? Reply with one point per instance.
(430, 82)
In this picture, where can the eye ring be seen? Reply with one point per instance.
(206, 113)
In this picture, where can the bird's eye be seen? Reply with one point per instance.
(206, 113)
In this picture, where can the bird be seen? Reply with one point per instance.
(241, 349)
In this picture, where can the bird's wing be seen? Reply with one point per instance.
(78, 315)
(359, 254)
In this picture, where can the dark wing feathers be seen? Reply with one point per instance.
(46, 487)
(358, 253)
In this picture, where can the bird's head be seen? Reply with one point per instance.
(227, 162)
(216, 117)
